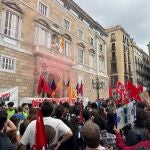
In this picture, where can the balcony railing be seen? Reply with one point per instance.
(56, 53)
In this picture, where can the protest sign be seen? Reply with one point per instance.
(9, 95)
(126, 115)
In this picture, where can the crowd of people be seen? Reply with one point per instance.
(73, 127)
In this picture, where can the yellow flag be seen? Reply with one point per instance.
(62, 42)
(74, 94)
(70, 94)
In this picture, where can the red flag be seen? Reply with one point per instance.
(140, 88)
(43, 86)
(46, 87)
(138, 98)
(81, 89)
(110, 92)
(40, 134)
(133, 91)
(119, 87)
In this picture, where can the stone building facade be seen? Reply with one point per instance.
(56, 38)
(126, 61)
(141, 66)
(119, 55)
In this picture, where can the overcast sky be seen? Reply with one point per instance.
(133, 15)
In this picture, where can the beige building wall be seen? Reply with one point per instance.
(31, 56)
(119, 56)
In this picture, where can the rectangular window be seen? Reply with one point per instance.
(43, 9)
(80, 34)
(7, 63)
(113, 56)
(42, 37)
(126, 78)
(114, 67)
(113, 38)
(91, 60)
(129, 66)
(125, 57)
(114, 80)
(101, 47)
(113, 47)
(11, 24)
(125, 68)
(66, 24)
(67, 47)
(91, 41)
(80, 55)
(101, 64)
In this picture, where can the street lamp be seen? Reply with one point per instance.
(98, 85)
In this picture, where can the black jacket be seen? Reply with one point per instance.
(5, 143)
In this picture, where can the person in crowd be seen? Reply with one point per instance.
(142, 105)
(103, 113)
(67, 107)
(94, 106)
(5, 143)
(91, 135)
(2, 106)
(25, 109)
(141, 145)
(61, 129)
(111, 121)
(19, 115)
(59, 114)
(50, 134)
(86, 115)
(11, 111)
(137, 132)
(32, 116)
(95, 116)
(107, 139)
(15, 139)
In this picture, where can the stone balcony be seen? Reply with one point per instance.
(54, 54)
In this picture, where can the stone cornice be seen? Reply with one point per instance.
(115, 28)
(70, 4)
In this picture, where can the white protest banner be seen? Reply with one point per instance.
(126, 115)
(9, 95)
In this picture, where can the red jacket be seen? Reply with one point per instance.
(121, 144)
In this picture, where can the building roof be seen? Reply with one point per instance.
(115, 28)
(71, 4)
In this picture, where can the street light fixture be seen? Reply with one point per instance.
(98, 85)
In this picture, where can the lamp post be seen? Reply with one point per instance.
(98, 85)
